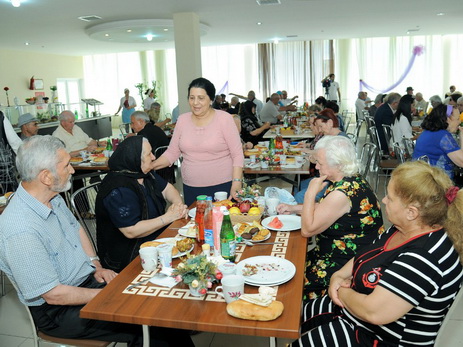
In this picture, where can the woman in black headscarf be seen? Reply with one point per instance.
(251, 130)
(130, 205)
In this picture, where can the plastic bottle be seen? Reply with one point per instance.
(271, 146)
(199, 218)
(279, 149)
(76, 114)
(227, 238)
(208, 230)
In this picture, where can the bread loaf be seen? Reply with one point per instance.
(246, 310)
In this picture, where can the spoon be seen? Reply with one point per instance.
(252, 244)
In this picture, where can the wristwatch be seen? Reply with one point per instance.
(94, 258)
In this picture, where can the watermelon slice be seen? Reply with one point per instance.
(275, 223)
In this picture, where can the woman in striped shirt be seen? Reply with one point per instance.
(398, 290)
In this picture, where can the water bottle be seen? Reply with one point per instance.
(227, 238)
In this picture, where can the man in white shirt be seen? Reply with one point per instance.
(285, 101)
(360, 105)
(270, 111)
(334, 93)
(73, 136)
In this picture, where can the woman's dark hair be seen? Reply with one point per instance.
(321, 101)
(332, 105)
(203, 84)
(404, 108)
(455, 97)
(328, 114)
(246, 108)
(437, 119)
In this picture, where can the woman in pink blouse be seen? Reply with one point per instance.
(210, 145)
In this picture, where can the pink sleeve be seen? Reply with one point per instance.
(232, 137)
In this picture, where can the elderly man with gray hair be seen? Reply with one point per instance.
(140, 123)
(270, 112)
(385, 115)
(65, 272)
(73, 136)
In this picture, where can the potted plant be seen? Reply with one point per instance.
(198, 273)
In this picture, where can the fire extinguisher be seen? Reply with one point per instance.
(32, 83)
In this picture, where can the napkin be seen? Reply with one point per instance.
(252, 165)
(264, 298)
(164, 278)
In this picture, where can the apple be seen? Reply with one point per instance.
(245, 206)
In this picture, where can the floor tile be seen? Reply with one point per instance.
(14, 320)
(11, 341)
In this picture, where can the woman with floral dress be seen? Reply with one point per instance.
(346, 218)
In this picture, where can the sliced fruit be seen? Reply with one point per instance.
(275, 223)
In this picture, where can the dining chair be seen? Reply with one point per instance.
(385, 167)
(355, 136)
(409, 147)
(367, 159)
(125, 129)
(168, 173)
(389, 136)
(83, 204)
(399, 152)
(40, 337)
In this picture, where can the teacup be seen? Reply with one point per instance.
(149, 258)
(271, 205)
(232, 288)
(227, 269)
(219, 196)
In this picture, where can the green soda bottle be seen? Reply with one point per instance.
(227, 238)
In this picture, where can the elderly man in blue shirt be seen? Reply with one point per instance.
(47, 254)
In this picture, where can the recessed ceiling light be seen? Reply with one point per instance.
(259, 23)
(16, 3)
(165, 29)
(149, 37)
(129, 30)
(107, 35)
(275, 41)
(27, 43)
(441, 14)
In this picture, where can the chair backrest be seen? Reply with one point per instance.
(83, 204)
(125, 129)
(409, 147)
(160, 150)
(424, 158)
(358, 127)
(370, 121)
(440, 340)
(373, 135)
(399, 152)
(367, 158)
(389, 135)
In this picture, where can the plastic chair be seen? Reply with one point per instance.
(83, 204)
(389, 135)
(368, 157)
(40, 337)
(409, 147)
(125, 129)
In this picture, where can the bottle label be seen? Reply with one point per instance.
(209, 237)
(228, 249)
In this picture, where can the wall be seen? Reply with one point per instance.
(17, 67)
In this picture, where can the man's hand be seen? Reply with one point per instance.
(104, 275)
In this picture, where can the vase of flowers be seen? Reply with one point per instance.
(249, 193)
(198, 273)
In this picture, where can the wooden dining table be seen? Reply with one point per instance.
(151, 305)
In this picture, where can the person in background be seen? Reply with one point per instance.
(328, 123)
(321, 102)
(398, 290)
(29, 125)
(453, 99)
(73, 136)
(435, 100)
(378, 102)
(252, 97)
(234, 106)
(131, 204)
(9, 144)
(141, 125)
(402, 121)
(347, 218)
(420, 104)
(224, 105)
(460, 107)
(251, 130)
(360, 105)
(47, 254)
(409, 95)
(334, 92)
(210, 145)
(285, 101)
(452, 90)
(385, 115)
(335, 108)
(175, 114)
(217, 102)
(270, 112)
(149, 100)
(436, 141)
(127, 105)
(154, 115)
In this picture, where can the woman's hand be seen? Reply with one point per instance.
(284, 209)
(176, 211)
(337, 282)
(236, 185)
(316, 185)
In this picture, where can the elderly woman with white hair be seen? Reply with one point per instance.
(346, 218)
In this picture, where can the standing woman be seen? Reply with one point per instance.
(209, 142)
(149, 100)
(127, 105)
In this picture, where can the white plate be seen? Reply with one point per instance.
(270, 270)
(290, 222)
(183, 231)
(172, 241)
(235, 229)
(192, 212)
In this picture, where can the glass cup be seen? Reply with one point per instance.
(165, 255)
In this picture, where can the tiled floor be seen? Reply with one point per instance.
(15, 329)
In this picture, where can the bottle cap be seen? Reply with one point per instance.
(209, 198)
(201, 197)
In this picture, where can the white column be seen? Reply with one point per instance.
(188, 54)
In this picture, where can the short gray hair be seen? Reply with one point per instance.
(392, 97)
(65, 115)
(340, 152)
(435, 98)
(38, 153)
(141, 115)
(460, 100)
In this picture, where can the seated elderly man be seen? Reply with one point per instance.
(73, 136)
(360, 105)
(131, 204)
(155, 113)
(29, 125)
(47, 254)
(140, 123)
(270, 112)
(419, 103)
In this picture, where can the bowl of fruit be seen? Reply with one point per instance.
(245, 212)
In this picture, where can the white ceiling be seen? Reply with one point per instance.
(51, 26)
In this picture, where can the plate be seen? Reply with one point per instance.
(172, 241)
(183, 231)
(235, 229)
(269, 270)
(192, 212)
(290, 222)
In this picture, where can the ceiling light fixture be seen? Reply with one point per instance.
(275, 41)
(149, 37)
(259, 23)
(16, 3)
(165, 29)
(441, 14)
(129, 30)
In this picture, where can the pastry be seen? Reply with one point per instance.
(245, 310)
